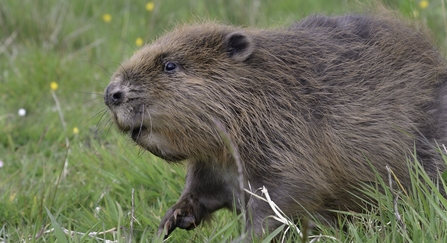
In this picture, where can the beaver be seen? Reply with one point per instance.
(316, 110)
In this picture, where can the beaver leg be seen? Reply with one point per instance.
(208, 188)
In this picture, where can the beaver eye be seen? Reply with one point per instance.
(170, 67)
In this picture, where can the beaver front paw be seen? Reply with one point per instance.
(180, 216)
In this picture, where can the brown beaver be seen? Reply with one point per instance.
(310, 108)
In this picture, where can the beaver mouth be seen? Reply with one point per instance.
(137, 132)
(137, 136)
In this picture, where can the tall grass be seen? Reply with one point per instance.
(66, 175)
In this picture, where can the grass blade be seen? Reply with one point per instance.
(60, 235)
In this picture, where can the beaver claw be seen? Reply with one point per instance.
(176, 218)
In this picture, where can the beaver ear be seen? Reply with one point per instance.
(239, 46)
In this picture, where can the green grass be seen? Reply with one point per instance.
(53, 179)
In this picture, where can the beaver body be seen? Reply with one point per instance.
(310, 108)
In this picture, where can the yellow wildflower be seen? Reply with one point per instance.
(75, 130)
(423, 4)
(54, 86)
(139, 42)
(150, 6)
(107, 18)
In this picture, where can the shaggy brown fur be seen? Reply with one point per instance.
(309, 107)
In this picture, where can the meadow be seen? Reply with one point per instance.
(68, 175)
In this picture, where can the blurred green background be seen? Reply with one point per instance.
(64, 154)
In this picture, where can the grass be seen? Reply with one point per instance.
(66, 168)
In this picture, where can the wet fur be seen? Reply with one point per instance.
(310, 107)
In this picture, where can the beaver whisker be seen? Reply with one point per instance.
(142, 120)
(150, 120)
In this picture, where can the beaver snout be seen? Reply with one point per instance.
(113, 95)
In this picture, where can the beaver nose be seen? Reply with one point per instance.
(113, 95)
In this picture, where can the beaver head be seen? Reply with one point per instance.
(168, 93)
